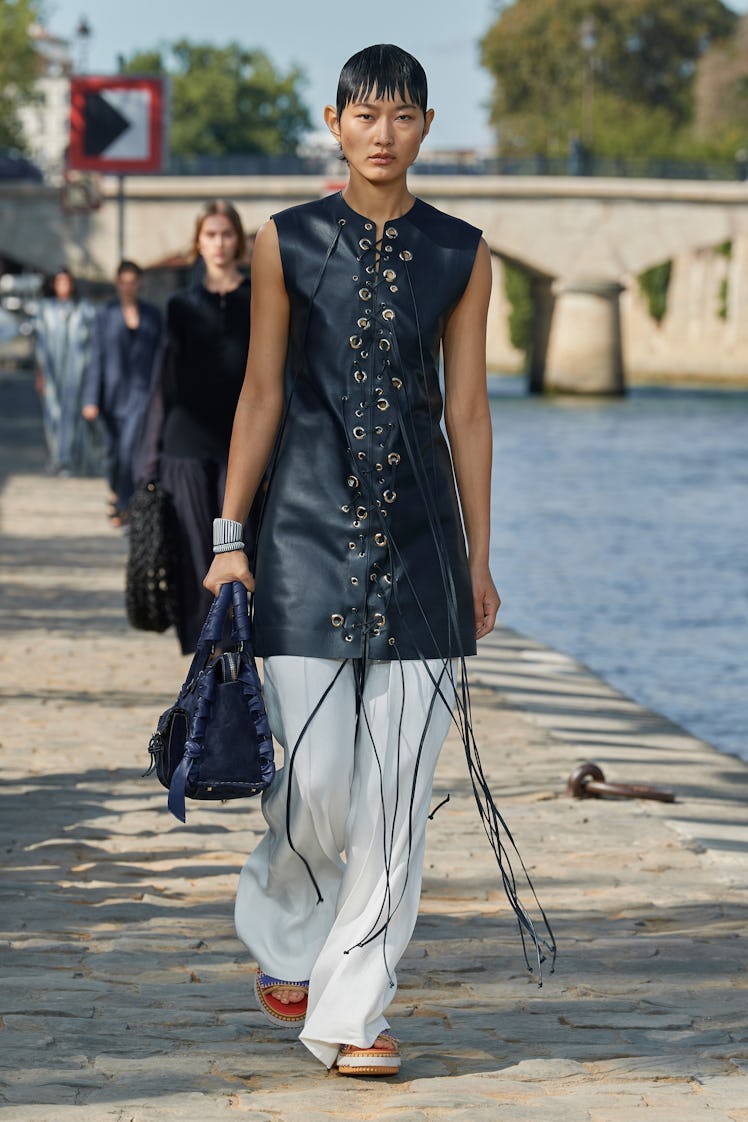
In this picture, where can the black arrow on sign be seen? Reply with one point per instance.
(102, 125)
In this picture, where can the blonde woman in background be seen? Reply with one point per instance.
(189, 425)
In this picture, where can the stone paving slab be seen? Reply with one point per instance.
(124, 993)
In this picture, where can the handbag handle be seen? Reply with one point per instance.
(241, 612)
(233, 592)
(214, 621)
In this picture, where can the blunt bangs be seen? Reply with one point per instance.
(382, 70)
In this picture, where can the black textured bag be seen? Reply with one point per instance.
(215, 741)
(150, 577)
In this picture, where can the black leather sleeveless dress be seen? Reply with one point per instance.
(361, 550)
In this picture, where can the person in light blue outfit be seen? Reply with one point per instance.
(63, 331)
(126, 350)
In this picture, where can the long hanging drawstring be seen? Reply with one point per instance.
(493, 822)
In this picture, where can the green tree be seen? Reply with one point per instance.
(227, 100)
(18, 65)
(619, 75)
(721, 96)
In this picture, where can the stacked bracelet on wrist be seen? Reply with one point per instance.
(227, 535)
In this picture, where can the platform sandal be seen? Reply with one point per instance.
(382, 1060)
(276, 1011)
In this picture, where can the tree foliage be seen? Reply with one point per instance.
(18, 65)
(518, 289)
(227, 100)
(721, 95)
(654, 284)
(618, 74)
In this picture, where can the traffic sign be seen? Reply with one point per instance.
(117, 124)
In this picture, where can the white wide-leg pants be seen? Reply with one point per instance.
(357, 813)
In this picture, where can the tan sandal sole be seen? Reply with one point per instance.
(369, 1061)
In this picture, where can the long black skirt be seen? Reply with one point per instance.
(196, 488)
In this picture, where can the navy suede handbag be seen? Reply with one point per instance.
(215, 741)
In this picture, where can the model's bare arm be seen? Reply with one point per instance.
(260, 406)
(468, 421)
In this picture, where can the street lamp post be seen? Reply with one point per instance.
(83, 35)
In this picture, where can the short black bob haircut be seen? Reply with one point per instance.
(383, 70)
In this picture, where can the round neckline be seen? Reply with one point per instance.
(228, 292)
(365, 217)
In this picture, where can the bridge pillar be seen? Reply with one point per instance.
(543, 301)
(584, 353)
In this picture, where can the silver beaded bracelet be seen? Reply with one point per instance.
(227, 535)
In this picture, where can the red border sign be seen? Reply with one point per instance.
(85, 95)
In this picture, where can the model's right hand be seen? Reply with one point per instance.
(229, 567)
(90, 412)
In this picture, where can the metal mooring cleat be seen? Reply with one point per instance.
(587, 781)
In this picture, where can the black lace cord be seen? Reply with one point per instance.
(491, 818)
(291, 760)
(411, 445)
(490, 813)
(422, 368)
(370, 497)
(416, 459)
(386, 901)
(387, 854)
(373, 934)
(445, 571)
(494, 823)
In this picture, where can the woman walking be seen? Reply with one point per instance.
(125, 354)
(366, 598)
(189, 422)
(63, 330)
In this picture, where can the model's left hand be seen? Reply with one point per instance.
(486, 601)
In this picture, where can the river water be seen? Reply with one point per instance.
(620, 536)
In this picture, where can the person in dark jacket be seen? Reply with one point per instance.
(125, 349)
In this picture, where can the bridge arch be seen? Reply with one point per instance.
(581, 240)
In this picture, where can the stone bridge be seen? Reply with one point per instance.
(582, 241)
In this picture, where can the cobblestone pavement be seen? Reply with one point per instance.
(125, 994)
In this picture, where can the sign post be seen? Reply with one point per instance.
(117, 126)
